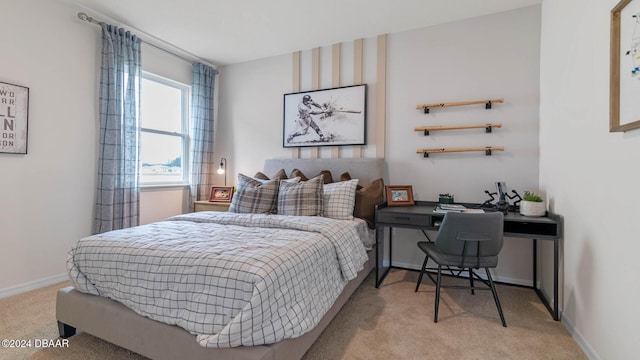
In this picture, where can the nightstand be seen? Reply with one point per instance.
(204, 205)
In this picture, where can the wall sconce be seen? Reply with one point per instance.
(222, 169)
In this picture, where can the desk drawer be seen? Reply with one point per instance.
(404, 219)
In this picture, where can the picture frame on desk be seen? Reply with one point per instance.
(222, 194)
(399, 195)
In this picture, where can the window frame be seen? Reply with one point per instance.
(184, 134)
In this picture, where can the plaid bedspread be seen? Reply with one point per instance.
(231, 279)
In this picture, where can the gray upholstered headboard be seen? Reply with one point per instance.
(365, 169)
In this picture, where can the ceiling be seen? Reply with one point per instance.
(225, 32)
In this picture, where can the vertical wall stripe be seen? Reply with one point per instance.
(357, 61)
(315, 68)
(335, 82)
(357, 79)
(335, 65)
(315, 85)
(379, 121)
(296, 71)
(381, 94)
(295, 59)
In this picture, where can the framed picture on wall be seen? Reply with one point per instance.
(625, 67)
(14, 116)
(329, 117)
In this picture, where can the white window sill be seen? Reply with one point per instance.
(156, 187)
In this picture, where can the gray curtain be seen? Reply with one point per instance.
(202, 161)
(118, 192)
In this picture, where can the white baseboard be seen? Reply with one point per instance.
(575, 334)
(32, 285)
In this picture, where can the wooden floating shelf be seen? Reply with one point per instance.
(427, 129)
(459, 103)
(487, 150)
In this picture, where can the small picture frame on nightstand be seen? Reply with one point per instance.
(399, 195)
(222, 194)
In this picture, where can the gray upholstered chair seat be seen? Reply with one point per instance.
(456, 260)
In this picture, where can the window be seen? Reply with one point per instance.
(164, 113)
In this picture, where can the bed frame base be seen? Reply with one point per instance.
(117, 324)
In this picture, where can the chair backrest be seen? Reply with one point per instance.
(483, 233)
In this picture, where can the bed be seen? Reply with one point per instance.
(156, 329)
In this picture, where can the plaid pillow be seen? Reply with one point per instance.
(301, 199)
(340, 199)
(254, 196)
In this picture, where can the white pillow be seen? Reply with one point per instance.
(340, 199)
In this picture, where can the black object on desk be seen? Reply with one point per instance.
(421, 217)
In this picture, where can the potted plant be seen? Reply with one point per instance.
(532, 205)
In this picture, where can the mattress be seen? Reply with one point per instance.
(231, 279)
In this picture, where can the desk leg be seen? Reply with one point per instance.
(553, 311)
(379, 240)
(556, 249)
(535, 263)
(381, 271)
(390, 248)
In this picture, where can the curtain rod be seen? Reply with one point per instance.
(84, 17)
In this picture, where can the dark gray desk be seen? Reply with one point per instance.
(422, 217)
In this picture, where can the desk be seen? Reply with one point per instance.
(422, 217)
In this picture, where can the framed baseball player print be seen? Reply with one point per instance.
(328, 117)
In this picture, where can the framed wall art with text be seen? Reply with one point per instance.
(14, 115)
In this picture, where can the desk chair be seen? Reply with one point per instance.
(466, 241)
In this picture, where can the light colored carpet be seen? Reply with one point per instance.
(392, 322)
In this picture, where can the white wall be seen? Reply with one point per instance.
(250, 121)
(468, 60)
(47, 196)
(249, 126)
(489, 57)
(591, 177)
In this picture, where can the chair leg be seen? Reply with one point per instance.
(495, 297)
(424, 266)
(435, 314)
(471, 280)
